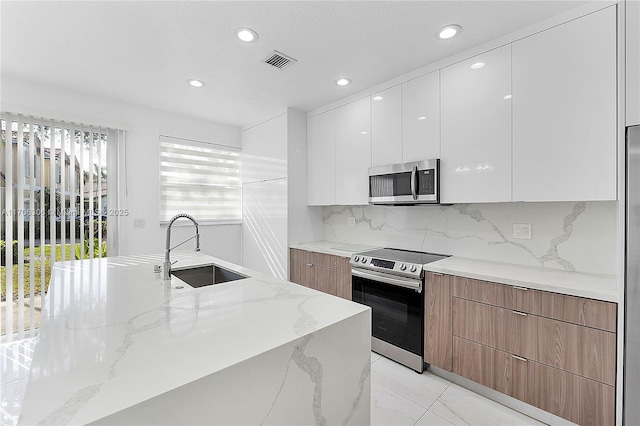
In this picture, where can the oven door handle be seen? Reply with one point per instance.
(387, 279)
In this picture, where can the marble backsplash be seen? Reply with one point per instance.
(565, 235)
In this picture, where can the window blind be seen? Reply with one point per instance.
(53, 195)
(201, 179)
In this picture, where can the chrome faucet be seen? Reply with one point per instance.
(166, 267)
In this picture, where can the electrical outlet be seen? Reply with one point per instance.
(351, 221)
(138, 223)
(522, 231)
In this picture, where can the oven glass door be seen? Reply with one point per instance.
(396, 312)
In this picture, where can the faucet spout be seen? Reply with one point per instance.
(166, 266)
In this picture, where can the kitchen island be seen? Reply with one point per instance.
(118, 345)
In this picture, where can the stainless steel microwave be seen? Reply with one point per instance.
(417, 182)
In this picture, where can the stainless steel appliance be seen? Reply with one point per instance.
(406, 183)
(391, 282)
(631, 408)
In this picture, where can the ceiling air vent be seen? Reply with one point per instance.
(279, 60)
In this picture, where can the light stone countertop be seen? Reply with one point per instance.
(334, 248)
(593, 286)
(600, 287)
(114, 335)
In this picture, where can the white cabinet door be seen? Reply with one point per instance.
(475, 161)
(264, 150)
(251, 140)
(321, 159)
(274, 230)
(274, 148)
(421, 118)
(252, 225)
(564, 111)
(353, 152)
(386, 127)
(633, 61)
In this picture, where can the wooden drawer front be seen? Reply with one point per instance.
(581, 350)
(487, 366)
(326, 279)
(299, 255)
(296, 271)
(502, 295)
(437, 317)
(572, 397)
(474, 361)
(500, 328)
(576, 310)
(325, 260)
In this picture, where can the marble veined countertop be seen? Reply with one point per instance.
(600, 287)
(593, 286)
(114, 335)
(334, 248)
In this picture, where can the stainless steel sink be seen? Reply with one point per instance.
(206, 275)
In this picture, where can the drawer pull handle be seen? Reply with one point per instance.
(309, 264)
(522, 314)
(519, 288)
(519, 358)
(438, 274)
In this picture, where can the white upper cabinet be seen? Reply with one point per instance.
(564, 111)
(386, 127)
(475, 156)
(353, 153)
(633, 62)
(274, 148)
(251, 147)
(321, 159)
(264, 150)
(421, 118)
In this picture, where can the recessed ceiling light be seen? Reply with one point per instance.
(422, 117)
(448, 31)
(507, 97)
(343, 81)
(247, 34)
(477, 65)
(377, 98)
(196, 83)
(364, 132)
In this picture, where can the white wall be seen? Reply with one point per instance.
(143, 126)
(565, 235)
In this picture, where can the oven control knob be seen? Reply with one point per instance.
(356, 258)
(413, 268)
(364, 259)
(403, 267)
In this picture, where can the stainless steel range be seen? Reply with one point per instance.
(391, 282)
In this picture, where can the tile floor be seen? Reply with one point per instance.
(400, 396)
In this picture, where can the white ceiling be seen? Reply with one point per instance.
(143, 52)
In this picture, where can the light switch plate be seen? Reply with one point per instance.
(522, 231)
(351, 221)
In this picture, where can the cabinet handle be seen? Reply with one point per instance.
(519, 358)
(515, 287)
(438, 274)
(522, 314)
(309, 264)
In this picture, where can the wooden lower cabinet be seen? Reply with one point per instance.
(438, 320)
(553, 351)
(344, 278)
(322, 272)
(570, 396)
